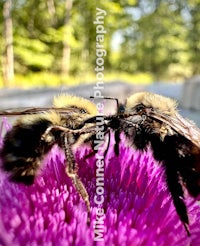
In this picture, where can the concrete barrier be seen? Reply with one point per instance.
(190, 98)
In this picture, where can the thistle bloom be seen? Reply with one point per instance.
(137, 205)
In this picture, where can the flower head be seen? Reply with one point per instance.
(138, 209)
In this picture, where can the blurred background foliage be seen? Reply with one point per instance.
(52, 42)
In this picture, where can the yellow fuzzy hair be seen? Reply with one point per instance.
(51, 115)
(163, 104)
(65, 100)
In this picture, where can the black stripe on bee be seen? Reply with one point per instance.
(23, 150)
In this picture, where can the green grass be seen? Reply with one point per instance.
(49, 79)
(138, 78)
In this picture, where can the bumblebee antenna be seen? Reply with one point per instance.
(120, 107)
(109, 98)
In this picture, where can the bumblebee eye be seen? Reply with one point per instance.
(121, 109)
(83, 111)
(151, 108)
(140, 107)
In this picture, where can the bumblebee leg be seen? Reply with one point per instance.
(53, 128)
(176, 191)
(84, 130)
(117, 141)
(67, 130)
(108, 144)
(71, 170)
(93, 152)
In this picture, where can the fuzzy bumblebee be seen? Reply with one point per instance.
(147, 120)
(151, 121)
(34, 134)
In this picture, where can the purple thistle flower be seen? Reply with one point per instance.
(137, 205)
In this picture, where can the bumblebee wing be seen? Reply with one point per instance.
(26, 111)
(189, 166)
(181, 125)
(21, 111)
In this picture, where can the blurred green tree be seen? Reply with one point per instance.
(156, 40)
(8, 56)
(193, 15)
(160, 37)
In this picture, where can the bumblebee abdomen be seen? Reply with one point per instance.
(23, 149)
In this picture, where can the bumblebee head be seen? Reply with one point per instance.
(121, 108)
(78, 105)
(146, 101)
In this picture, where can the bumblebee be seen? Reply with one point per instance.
(34, 134)
(151, 120)
(146, 119)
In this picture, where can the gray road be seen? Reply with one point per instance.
(13, 98)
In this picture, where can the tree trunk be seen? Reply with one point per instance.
(66, 38)
(8, 58)
(52, 10)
